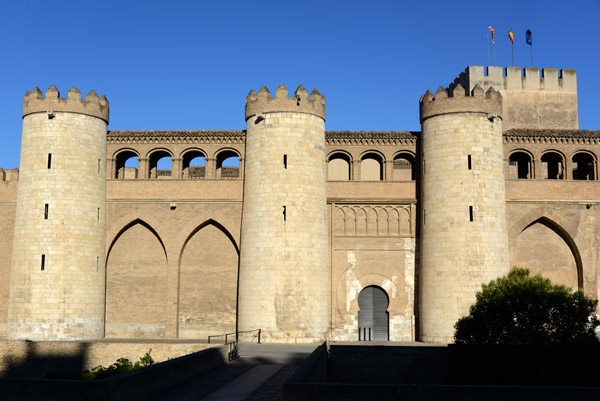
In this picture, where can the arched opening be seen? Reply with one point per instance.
(371, 167)
(373, 317)
(209, 257)
(553, 166)
(338, 167)
(126, 164)
(228, 164)
(404, 167)
(136, 284)
(545, 248)
(160, 164)
(520, 166)
(194, 164)
(584, 166)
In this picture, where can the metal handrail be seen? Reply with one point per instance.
(236, 335)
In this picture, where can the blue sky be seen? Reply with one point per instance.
(190, 64)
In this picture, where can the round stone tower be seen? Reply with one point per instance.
(57, 277)
(284, 280)
(464, 241)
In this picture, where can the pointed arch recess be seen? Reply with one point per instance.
(566, 237)
(129, 278)
(198, 315)
(127, 227)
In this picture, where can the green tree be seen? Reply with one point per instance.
(522, 310)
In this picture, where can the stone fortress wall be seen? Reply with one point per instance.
(173, 234)
(283, 262)
(57, 273)
(463, 229)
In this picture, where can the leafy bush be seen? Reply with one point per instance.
(522, 310)
(524, 330)
(122, 365)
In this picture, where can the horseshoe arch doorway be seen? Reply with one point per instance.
(373, 317)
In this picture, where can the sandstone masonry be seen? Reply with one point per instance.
(285, 227)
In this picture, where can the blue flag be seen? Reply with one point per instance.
(528, 37)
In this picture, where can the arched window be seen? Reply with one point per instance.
(228, 164)
(584, 166)
(371, 167)
(553, 166)
(338, 167)
(126, 164)
(160, 163)
(520, 166)
(404, 167)
(194, 164)
(373, 317)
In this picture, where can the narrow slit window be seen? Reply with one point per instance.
(424, 216)
(43, 262)
(98, 217)
(470, 213)
(46, 211)
(284, 161)
(284, 213)
(424, 167)
(98, 166)
(469, 161)
(49, 160)
(97, 262)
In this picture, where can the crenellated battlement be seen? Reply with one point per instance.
(516, 78)
(9, 175)
(92, 105)
(458, 100)
(262, 102)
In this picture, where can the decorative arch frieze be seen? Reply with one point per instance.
(372, 220)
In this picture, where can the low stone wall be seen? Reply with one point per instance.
(70, 358)
(379, 392)
(135, 385)
(363, 372)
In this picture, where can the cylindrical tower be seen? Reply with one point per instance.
(57, 277)
(284, 280)
(464, 241)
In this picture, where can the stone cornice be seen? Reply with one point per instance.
(238, 136)
(223, 136)
(337, 138)
(371, 138)
(560, 137)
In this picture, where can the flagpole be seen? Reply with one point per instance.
(529, 41)
(488, 43)
(494, 47)
(513, 54)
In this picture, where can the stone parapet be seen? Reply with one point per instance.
(35, 102)
(457, 100)
(262, 102)
(9, 175)
(516, 78)
(529, 100)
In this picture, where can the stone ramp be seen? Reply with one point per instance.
(242, 386)
(258, 374)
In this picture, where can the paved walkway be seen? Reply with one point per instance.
(258, 375)
(242, 386)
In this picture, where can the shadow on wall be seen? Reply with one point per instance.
(33, 362)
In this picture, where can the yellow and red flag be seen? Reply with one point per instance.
(493, 37)
(510, 35)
